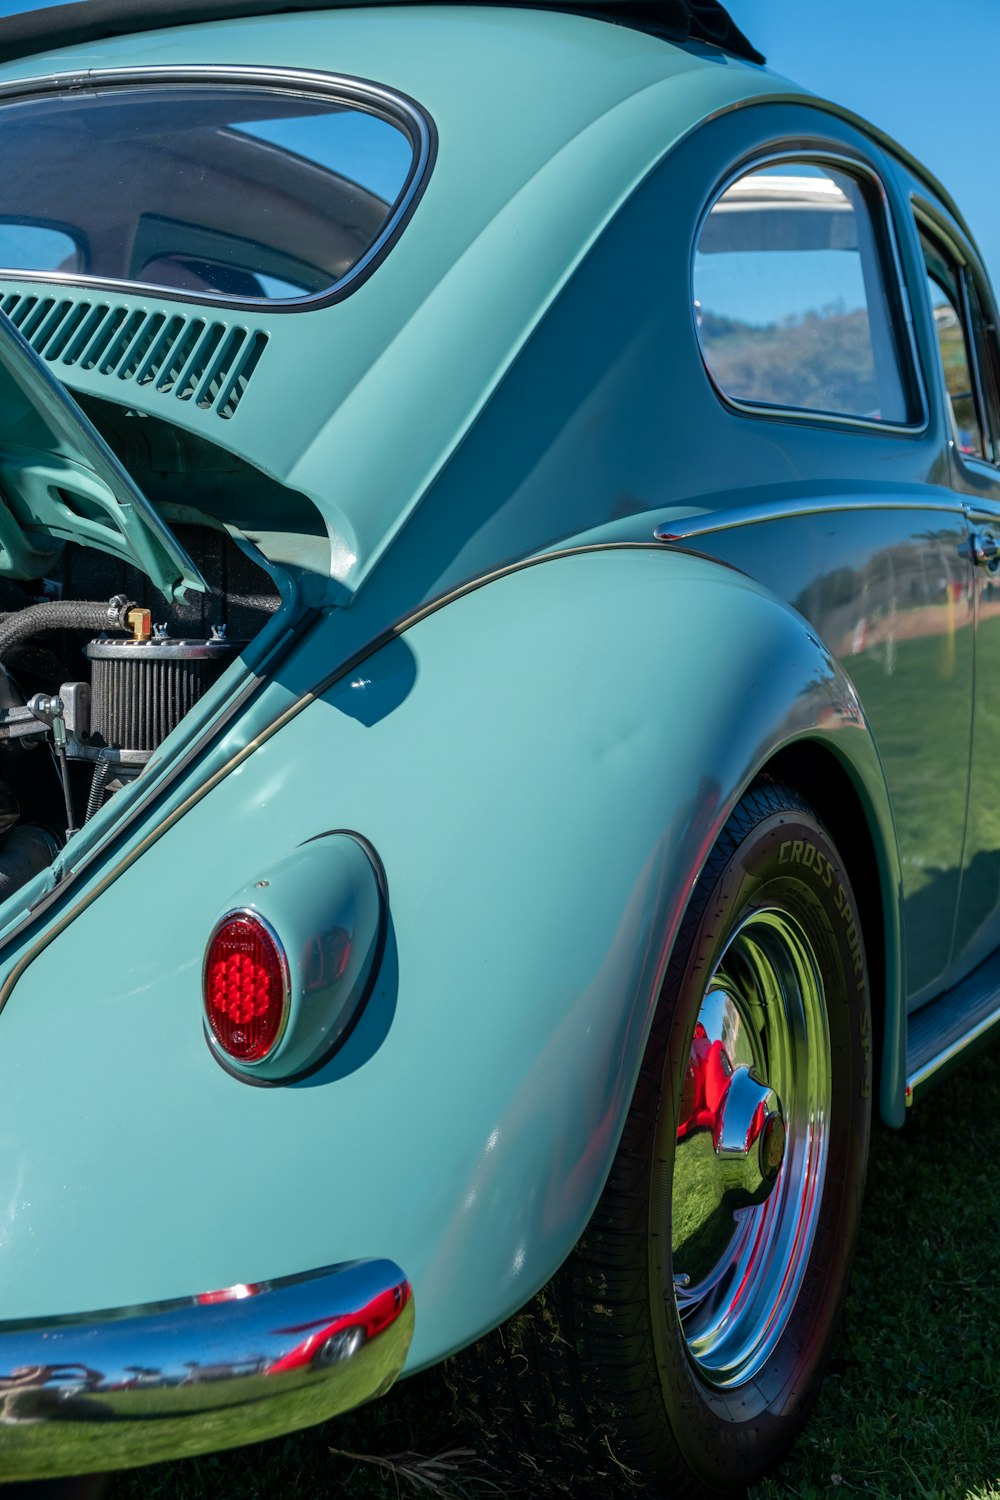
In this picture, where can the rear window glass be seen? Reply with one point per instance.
(247, 193)
(792, 297)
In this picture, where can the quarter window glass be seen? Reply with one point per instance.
(957, 371)
(984, 341)
(791, 297)
(238, 191)
(945, 286)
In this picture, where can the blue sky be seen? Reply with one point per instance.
(927, 73)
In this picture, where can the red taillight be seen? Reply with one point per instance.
(245, 988)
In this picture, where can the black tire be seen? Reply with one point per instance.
(624, 1391)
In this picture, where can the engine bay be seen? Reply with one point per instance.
(93, 678)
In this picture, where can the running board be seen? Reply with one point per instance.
(942, 1033)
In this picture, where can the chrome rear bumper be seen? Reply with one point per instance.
(140, 1384)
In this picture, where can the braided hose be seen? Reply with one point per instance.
(63, 614)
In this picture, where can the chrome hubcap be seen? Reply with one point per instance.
(748, 1132)
(751, 1146)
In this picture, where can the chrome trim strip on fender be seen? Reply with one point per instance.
(767, 510)
(140, 1385)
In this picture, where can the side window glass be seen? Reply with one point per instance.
(945, 286)
(792, 298)
(984, 342)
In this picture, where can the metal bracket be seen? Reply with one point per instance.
(21, 723)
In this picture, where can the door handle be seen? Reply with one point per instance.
(985, 549)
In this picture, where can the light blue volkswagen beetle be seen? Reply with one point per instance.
(500, 524)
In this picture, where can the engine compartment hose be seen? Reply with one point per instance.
(28, 851)
(64, 614)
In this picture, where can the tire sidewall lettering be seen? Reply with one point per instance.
(789, 863)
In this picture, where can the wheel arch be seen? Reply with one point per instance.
(845, 806)
(543, 764)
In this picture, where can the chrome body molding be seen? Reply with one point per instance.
(141, 1384)
(948, 1030)
(955, 1051)
(687, 528)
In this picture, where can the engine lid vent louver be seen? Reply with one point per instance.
(191, 359)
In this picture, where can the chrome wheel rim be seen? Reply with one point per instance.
(750, 1150)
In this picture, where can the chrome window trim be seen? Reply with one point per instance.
(911, 371)
(359, 93)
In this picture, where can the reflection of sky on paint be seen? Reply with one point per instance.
(359, 146)
(766, 286)
(18, 7)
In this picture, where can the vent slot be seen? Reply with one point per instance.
(201, 359)
(189, 359)
(232, 391)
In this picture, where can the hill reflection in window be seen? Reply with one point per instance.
(231, 191)
(790, 296)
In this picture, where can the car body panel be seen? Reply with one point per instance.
(523, 1019)
(551, 604)
(603, 338)
(569, 160)
(889, 592)
(977, 487)
(590, 440)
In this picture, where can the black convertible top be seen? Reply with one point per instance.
(93, 20)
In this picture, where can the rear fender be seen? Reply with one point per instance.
(542, 766)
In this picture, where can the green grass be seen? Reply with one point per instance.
(911, 1404)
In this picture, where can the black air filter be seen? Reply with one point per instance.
(140, 690)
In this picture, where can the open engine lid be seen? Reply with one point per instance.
(59, 482)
